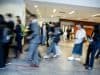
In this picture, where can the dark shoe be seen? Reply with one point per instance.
(15, 57)
(34, 65)
(96, 57)
(86, 67)
(84, 64)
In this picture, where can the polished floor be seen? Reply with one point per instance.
(55, 66)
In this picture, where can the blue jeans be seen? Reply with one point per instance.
(95, 45)
(51, 48)
(78, 49)
(98, 53)
(33, 52)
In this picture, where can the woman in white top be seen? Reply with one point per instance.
(79, 38)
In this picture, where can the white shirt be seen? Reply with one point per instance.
(80, 35)
(34, 21)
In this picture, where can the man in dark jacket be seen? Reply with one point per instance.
(10, 22)
(93, 47)
(4, 39)
(10, 25)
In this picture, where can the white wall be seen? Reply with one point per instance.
(89, 3)
(16, 7)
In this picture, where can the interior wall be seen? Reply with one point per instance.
(16, 7)
(87, 25)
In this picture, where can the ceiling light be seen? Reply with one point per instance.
(52, 16)
(95, 15)
(36, 6)
(71, 12)
(54, 10)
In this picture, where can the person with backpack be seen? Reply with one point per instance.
(4, 40)
(58, 33)
(53, 48)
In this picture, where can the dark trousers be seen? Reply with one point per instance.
(47, 41)
(93, 47)
(2, 56)
(6, 49)
(68, 36)
(18, 47)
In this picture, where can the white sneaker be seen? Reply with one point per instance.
(8, 64)
(77, 59)
(46, 57)
(71, 58)
(54, 56)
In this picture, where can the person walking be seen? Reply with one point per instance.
(34, 41)
(43, 33)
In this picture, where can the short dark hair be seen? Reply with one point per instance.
(9, 15)
(17, 16)
(80, 24)
(34, 16)
(1, 18)
(19, 21)
(50, 22)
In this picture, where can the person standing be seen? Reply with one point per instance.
(79, 38)
(47, 34)
(10, 22)
(11, 25)
(4, 39)
(34, 41)
(68, 32)
(43, 31)
(18, 39)
(94, 46)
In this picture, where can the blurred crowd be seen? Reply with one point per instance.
(12, 33)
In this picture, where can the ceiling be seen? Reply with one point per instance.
(54, 11)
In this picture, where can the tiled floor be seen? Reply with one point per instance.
(56, 66)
